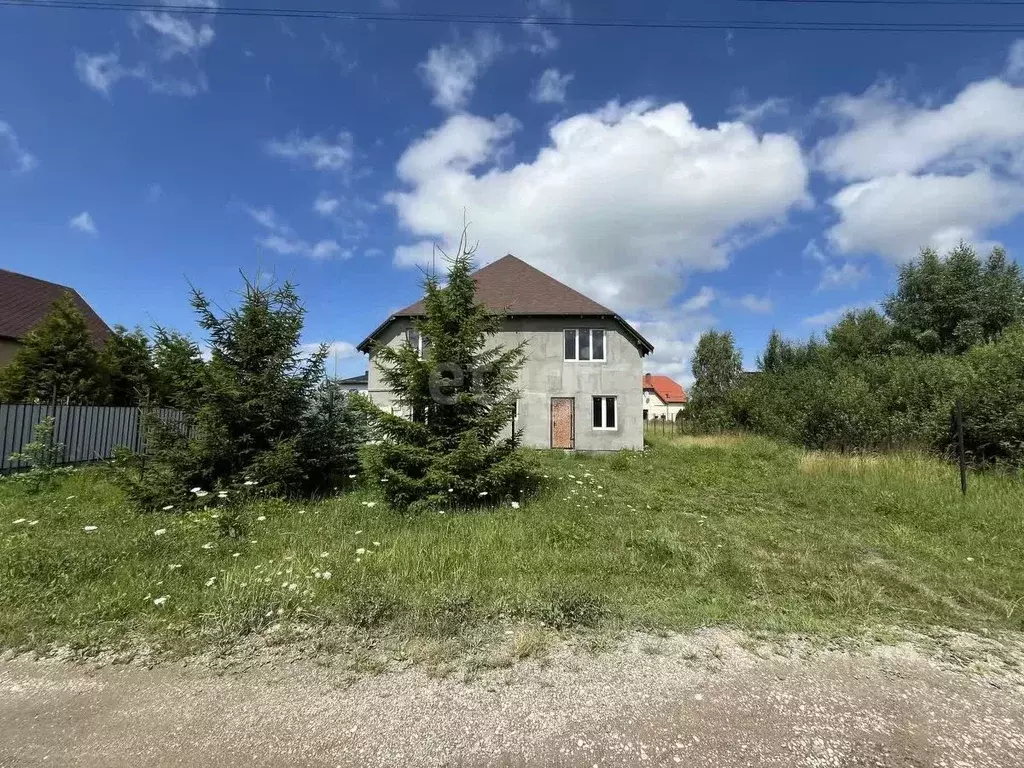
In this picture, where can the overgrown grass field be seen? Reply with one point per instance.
(693, 532)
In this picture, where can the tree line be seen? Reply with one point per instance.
(952, 328)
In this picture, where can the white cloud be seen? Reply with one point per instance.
(896, 215)
(326, 205)
(924, 174)
(753, 113)
(561, 8)
(23, 160)
(849, 275)
(1015, 60)
(752, 303)
(176, 35)
(551, 87)
(830, 316)
(83, 223)
(451, 70)
(281, 238)
(102, 71)
(322, 154)
(540, 40)
(620, 203)
(674, 334)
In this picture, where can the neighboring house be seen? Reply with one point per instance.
(25, 301)
(663, 397)
(355, 383)
(578, 384)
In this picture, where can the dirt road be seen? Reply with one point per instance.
(697, 700)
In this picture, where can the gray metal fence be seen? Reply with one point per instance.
(88, 432)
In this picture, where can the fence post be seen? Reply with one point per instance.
(960, 446)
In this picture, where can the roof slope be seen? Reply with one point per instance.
(24, 301)
(510, 286)
(670, 392)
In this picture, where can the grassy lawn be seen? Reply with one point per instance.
(694, 532)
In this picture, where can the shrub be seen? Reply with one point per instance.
(43, 456)
(266, 413)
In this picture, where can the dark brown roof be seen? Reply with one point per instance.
(512, 287)
(24, 301)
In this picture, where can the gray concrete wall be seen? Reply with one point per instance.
(8, 349)
(546, 375)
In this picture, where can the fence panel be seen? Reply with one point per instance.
(88, 432)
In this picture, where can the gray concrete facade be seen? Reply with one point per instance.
(546, 375)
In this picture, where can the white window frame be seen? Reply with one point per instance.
(590, 338)
(604, 412)
(419, 341)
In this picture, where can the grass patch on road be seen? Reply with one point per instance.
(690, 533)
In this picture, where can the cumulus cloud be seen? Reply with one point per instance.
(751, 303)
(551, 87)
(321, 154)
(83, 223)
(1015, 61)
(754, 112)
(674, 334)
(924, 174)
(281, 238)
(451, 70)
(22, 160)
(830, 316)
(620, 203)
(540, 40)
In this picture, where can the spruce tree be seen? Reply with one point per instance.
(58, 360)
(127, 363)
(449, 448)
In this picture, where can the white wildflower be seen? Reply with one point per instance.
(168, 508)
(261, 518)
(482, 494)
(209, 581)
(249, 482)
(159, 531)
(201, 494)
(236, 554)
(292, 587)
(359, 559)
(89, 528)
(358, 532)
(325, 554)
(515, 505)
(280, 611)
(197, 489)
(159, 601)
(383, 479)
(173, 566)
(222, 494)
(361, 551)
(208, 545)
(376, 543)
(302, 511)
(325, 575)
(351, 477)
(451, 490)
(33, 522)
(369, 503)
(18, 521)
(69, 498)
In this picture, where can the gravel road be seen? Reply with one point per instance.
(704, 699)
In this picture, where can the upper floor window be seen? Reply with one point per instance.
(584, 344)
(418, 342)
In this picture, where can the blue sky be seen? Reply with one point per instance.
(741, 179)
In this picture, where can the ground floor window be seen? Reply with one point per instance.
(604, 412)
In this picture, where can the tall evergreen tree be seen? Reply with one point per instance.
(128, 366)
(58, 360)
(178, 365)
(448, 447)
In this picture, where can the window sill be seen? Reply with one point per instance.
(605, 429)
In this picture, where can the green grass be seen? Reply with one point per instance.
(694, 532)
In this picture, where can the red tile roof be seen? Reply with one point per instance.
(512, 287)
(665, 388)
(24, 301)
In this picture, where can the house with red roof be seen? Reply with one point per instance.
(664, 398)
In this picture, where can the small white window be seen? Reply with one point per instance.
(585, 344)
(604, 412)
